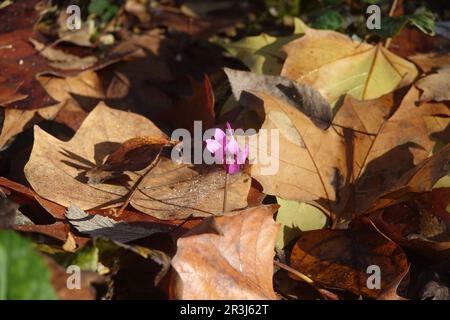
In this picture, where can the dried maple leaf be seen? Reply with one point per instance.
(63, 163)
(372, 149)
(227, 257)
(177, 191)
(170, 191)
(336, 65)
(341, 258)
(17, 120)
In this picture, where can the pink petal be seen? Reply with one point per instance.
(213, 145)
(232, 168)
(219, 134)
(232, 146)
(229, 128)
(219, 156)
(242, 155)
(230, 159)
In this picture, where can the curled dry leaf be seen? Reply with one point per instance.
(133, 155)
(436, 86)
(341, 258)
(373, 148)
(227, 257)
(336, 65)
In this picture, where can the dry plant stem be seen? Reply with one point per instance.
(225, 190)
(137, 184)
(324, 293)
(293, 271)
(391, 12)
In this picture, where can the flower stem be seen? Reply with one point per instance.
(225, 190)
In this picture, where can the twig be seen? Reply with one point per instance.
(181, 224)
(323, 292)
(293, 271)
(138, 182)
(391, 13)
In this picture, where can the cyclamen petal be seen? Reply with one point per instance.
(242, 155)
(232, 146)
(229, 128)
(213, 146)
(219, 135)
(233, 168)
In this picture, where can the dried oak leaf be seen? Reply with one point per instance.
(227, 257)
(372, 148)
(340, 258)
(421, 224)
(336, 65)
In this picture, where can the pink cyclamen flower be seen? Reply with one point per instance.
(227, 151)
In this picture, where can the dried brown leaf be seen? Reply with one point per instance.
(228, 257)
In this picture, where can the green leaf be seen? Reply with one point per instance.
(391, 26)
(23, 273)
(296, 217)
(443, 182)
(103, 8)
(98, 6)
(328, 19)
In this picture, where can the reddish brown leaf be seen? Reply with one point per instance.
(60, 279)
(340, 258)
(228, 257)
(197, 107)
(421, 224)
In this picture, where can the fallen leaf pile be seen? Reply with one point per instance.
(357, 131)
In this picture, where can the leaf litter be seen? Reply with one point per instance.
(363, 160)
